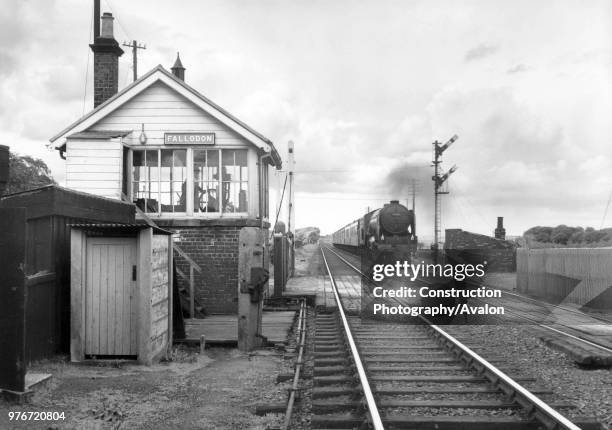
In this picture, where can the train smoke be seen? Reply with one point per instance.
(400, 180)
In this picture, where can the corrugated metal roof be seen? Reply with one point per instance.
(117, 227)
(102, 134)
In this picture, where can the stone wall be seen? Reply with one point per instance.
(475, 248)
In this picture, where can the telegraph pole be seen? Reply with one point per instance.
(439, 179)
(291, 207)
(135, 47)
(413, 193)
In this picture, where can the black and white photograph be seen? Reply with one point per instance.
(306, 214)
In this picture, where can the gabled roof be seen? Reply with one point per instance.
(160, 74)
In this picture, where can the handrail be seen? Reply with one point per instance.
(544, 410)
(182, 253)
(367, 391)
(151, 223)
(181, 274)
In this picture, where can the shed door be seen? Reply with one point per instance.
(110, 297)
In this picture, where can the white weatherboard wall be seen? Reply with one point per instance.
(163, 110)
(94, 166)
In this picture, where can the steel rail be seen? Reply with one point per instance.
(529, 400)
(546, 413)
(565, 308)
(301, 337)
(535, 322)
(367, 391)
(564, 333)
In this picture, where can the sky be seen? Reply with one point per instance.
(362, 88)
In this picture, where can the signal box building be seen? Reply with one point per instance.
(186, 163)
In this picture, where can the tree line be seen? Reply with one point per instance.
(563, 235)
(26, 173)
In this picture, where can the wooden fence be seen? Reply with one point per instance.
(581, 276)
(283, 262)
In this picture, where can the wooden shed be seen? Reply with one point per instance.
(121, 292)
(46, 239)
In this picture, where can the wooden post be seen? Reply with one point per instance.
(191, 293)
(202, 344)
(143, 284)
(250, 255)
(170, 295)
(12, 299)
(278, 266)
(78, 261)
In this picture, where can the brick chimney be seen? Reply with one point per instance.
(106, 62)
(178, 70)
(500, 231)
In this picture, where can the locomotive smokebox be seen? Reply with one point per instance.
(4, 167)
(395, 218)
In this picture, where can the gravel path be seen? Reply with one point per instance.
(217, 390)
(589, 390)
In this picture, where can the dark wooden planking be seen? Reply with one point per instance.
(54, 200)
(40, 316)
(49, 211)
(12, 299)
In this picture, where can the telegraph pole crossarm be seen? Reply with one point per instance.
(135, 47)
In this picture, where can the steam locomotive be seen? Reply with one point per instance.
(387, 233)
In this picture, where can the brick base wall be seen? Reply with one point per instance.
(215, 249)
(474, 248)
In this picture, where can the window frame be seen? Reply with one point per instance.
(189, 207)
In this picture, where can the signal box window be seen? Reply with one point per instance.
(173, 180)
(206, 180)
(235, 180)
(145, 180)
(158, 179)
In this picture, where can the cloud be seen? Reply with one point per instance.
(519, 68)
(479, 52)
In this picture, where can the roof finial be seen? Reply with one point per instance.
(178, 70)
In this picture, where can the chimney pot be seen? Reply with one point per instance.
(107, 26)
(500, 231)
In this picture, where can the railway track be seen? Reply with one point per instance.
(558, 328)
(402, 376)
